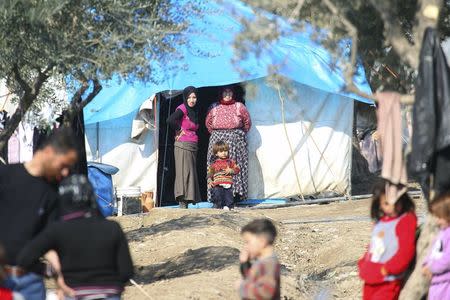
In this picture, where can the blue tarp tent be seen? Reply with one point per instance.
(312, 129)
(208, 61)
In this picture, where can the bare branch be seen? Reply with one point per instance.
(350, 72)
(297, 9)
(394, 34)
(97, 88)
(77, 102)
(25, 102)
(77, 97)
(353, 32)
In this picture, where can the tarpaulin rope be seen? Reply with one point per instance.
(289, 142)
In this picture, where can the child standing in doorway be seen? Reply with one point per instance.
(392, 246)
(437, 264)
(220, 176)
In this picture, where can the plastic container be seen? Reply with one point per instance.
(129, 200)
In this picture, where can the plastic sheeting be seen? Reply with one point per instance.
(137, 162)
(207, 60)
(319, 128)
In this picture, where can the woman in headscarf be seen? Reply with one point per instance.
(229, 121)
(93, 251)
(184, 120)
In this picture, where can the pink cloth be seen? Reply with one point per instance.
(188, 132)
(390, 130)
(14, 149)
(234, 116)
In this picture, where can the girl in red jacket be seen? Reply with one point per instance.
(392, 246)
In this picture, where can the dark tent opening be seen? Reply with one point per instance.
(166, 165)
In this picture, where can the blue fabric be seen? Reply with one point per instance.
(30, 286)
(100, 177)
(207, 60)
(193, 206)
(249, 202)
(105, 168)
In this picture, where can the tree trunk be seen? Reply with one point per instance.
(74, 119)
(30, 93)
(417, 285)
(15, 119)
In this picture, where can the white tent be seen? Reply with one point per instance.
(297, 146)
(305, 151)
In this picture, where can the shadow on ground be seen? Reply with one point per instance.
(329, 273)
(189, 263)
(233, 221)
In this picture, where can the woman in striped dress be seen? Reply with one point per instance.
(229, 121)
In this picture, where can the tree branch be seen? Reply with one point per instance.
(26, 100)
(350, 71)
(296, 12)
(97, 88)
(77, 103)
(23, 84)
(394, 33)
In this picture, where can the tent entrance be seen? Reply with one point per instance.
(166, 162)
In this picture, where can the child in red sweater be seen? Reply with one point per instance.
(392, 246)
(220, 176)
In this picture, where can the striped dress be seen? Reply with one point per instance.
(230, 123)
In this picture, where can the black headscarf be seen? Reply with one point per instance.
(76, 194)
(192, 112)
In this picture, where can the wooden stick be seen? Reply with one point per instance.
(140, 289)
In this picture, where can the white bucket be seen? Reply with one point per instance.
(132, 193)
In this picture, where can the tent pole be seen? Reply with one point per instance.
(165, 153)
(97, 151)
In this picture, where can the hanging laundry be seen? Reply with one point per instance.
(14, 148)
(25, 134)
(39, 135)
(3, 119)
(430, 154)
(371, 150)
(390, 131)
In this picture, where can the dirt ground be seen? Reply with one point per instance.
(193, 254)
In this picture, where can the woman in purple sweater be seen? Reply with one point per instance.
(437, 264)
(184, 120)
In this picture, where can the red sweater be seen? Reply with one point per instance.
(228, 116)
(405, 231)
(6, 294)
(216, 172)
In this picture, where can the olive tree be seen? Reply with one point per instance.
(84, 42)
